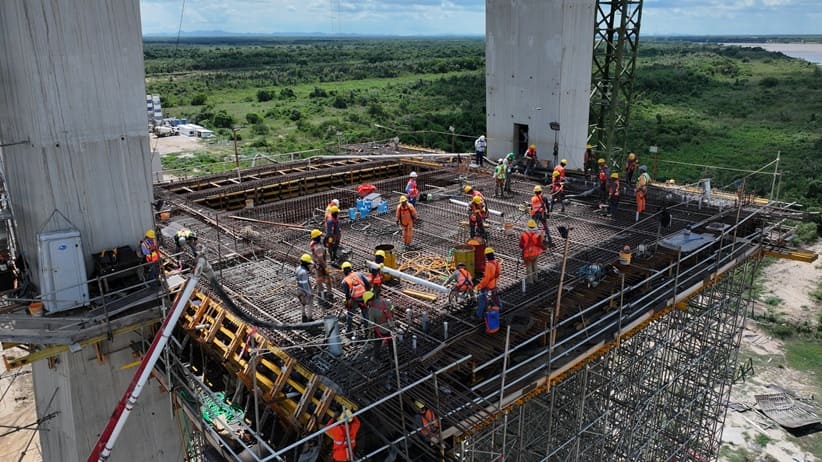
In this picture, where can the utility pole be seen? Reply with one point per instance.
(236, 156)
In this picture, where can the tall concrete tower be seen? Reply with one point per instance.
(538, 71)
(73, 123)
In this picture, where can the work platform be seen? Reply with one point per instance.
(444, 356)
(287, 383)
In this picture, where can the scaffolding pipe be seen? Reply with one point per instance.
(465, 204)
(409, 278)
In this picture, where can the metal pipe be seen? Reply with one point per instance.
(399, 388)
(465, 204)
(409, 278)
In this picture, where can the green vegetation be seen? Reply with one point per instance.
(706, 104)
(806, 356)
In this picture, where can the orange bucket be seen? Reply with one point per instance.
(36, 309)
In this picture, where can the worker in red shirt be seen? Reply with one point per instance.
(344, 436)
(487, 287)
(539, 212)
(375, 277)
(532, 244)
(411, 189)
(530, 156)
(333, 232)
(603, 181)
(557, 190)
(561, 168)
(630, 167)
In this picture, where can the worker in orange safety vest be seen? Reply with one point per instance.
(344, 436)
(532, 244)
(427, 421)
(353, 286)
(539, 212)
(406, 216)
(487, 287)
(151, 254)
(642, 182)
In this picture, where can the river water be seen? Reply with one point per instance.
(808, 51)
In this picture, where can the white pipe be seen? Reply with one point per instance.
(465, 204)
(102, 450)
(409, 278)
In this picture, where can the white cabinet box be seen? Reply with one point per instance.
(63, 282)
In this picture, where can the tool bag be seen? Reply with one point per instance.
(492, 320)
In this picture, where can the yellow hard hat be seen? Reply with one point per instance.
(600, 161)
(368, 295)
(346, 265)
(588, 146)
(476, 200)
(533, 146)
(537, 188)
(333, 209)
(615, 175)
(489, 250)
(380, 253)
(419, 404)
(316, 233)
(532, 224)
(467, 188)
(151, 234)
(564, 162)
(556, 173)
(403, 198)
(345, 415)
(631, 155)
(306, 258)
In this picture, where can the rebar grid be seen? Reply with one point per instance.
(660, 395)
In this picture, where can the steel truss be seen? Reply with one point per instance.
(616, 41)
(659, 395)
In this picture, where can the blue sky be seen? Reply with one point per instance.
(463, 17)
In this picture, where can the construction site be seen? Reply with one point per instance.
(623, 349)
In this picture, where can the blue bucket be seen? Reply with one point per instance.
(364, 211)
(352, 213)
(382, 208)
(359, 203)
(367, 204)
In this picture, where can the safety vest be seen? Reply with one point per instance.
(537, 204)
(185, 232)
(531, 154)
(499, 172)
(318, 252)
(149, 249)
(559, 168)
(411, 189)
(429, 424)
(489, 278)
(531, 245)
(385, 318)
(332, 227)
(406, 214)
(630, 166)
(614, 191)
(556, 184)
(603, 174)
(464, 279)
(339, 452)
(375, 278)
(642, 182)
(355, 286)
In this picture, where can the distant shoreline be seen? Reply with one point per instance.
(811, 52)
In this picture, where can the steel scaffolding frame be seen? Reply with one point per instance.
(660, 394)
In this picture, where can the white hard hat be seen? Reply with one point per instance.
(482, 137)
(413, 174)
(335, 201)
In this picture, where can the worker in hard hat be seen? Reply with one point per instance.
(532, 243)
(333, 203)
(507, 162)
(642, 182)
(461, 278)
(602, 175)
(472, 193)
(476, 218)
(411, 190)
(344, 436)
(427, 422)
(530, 156)
(539, 212)
(630, 167)
(320, 257)
(590, 160)
(406, 216)
(150, 251)
(186, 236)
(354, 285)
(304, 292)
(333, 232)
(613, 195)
(381, 317)
(499, 179)
(560, 168)
(375, 277)
(479, 148)
(557, 190)
(487, 287)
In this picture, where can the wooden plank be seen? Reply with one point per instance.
(306, 398)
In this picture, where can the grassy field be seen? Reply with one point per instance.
(705, 104)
